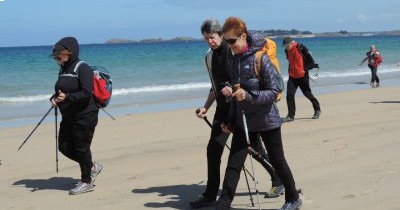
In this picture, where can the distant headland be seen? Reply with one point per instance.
(271, 33)
(127, 41)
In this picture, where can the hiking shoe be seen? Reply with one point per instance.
(223, 204)
(202, 201)
(275, 192)
(316, 114)
(292, 205)
(96, 169)
(81, 187)
(287, 119)
(372, 84)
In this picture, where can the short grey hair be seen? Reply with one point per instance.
(211, 26)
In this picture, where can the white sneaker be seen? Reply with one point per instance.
(372, 84)
(96, 169)
(81, 187)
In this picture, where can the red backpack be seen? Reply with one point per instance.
(378, 58)
(102, 84)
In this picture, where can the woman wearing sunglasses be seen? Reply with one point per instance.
(255, 97)
(73, 96)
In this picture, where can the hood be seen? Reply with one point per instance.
(256, 41)
(72, 45)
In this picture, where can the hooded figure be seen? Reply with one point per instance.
(78, 87)
(73, 95)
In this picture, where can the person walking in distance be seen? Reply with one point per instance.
(253, 101)
(374, 60)
(298, 77)
(217, 60)
(73, 96)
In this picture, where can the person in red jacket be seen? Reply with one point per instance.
(374, 59)
(298, 77)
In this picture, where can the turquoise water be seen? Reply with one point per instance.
(162, 76)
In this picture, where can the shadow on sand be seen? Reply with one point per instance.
(179, 196)
(385, 102)
(53, 183)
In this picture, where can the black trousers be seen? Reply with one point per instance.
(215, 148)
(374, 74)
(304, 84)
(273, 143)
(75, 138)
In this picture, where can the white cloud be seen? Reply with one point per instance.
(362, 17)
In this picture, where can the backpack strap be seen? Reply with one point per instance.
(305, 53)
(257, 63)
(77, 66)
(75, 74)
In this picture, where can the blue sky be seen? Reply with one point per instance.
(43, 22)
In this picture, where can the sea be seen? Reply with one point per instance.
(163, 76)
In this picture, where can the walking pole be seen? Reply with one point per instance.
(55, 115)
(248, 186)
(249, 148)
(251, 157)
(100, 107)
(35, 127)
(260, 158)
(107, 113)
(243, 168)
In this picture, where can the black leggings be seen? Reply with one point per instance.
(304, 84)
(374, 74)
(215, 148)
(273, 142)
(75, 138)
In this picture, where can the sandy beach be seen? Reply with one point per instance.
(348, 159)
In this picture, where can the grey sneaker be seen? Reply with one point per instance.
(223, 204)
(316, 114)
(202, 201)
(295, 205)
(81, 187)
(96, 169)
(287, 119)
(275, 192)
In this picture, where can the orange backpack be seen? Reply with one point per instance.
(270, 50)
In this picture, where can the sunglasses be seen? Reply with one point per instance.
(58, 57)
(231, 41)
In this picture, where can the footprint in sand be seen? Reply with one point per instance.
(349, 196)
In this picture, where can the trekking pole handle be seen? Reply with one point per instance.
(204, 118)
(237, 86)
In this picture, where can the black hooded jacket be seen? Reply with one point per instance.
(79, 99)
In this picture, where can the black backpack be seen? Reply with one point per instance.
(308, 61)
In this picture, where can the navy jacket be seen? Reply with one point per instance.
(260, 110)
